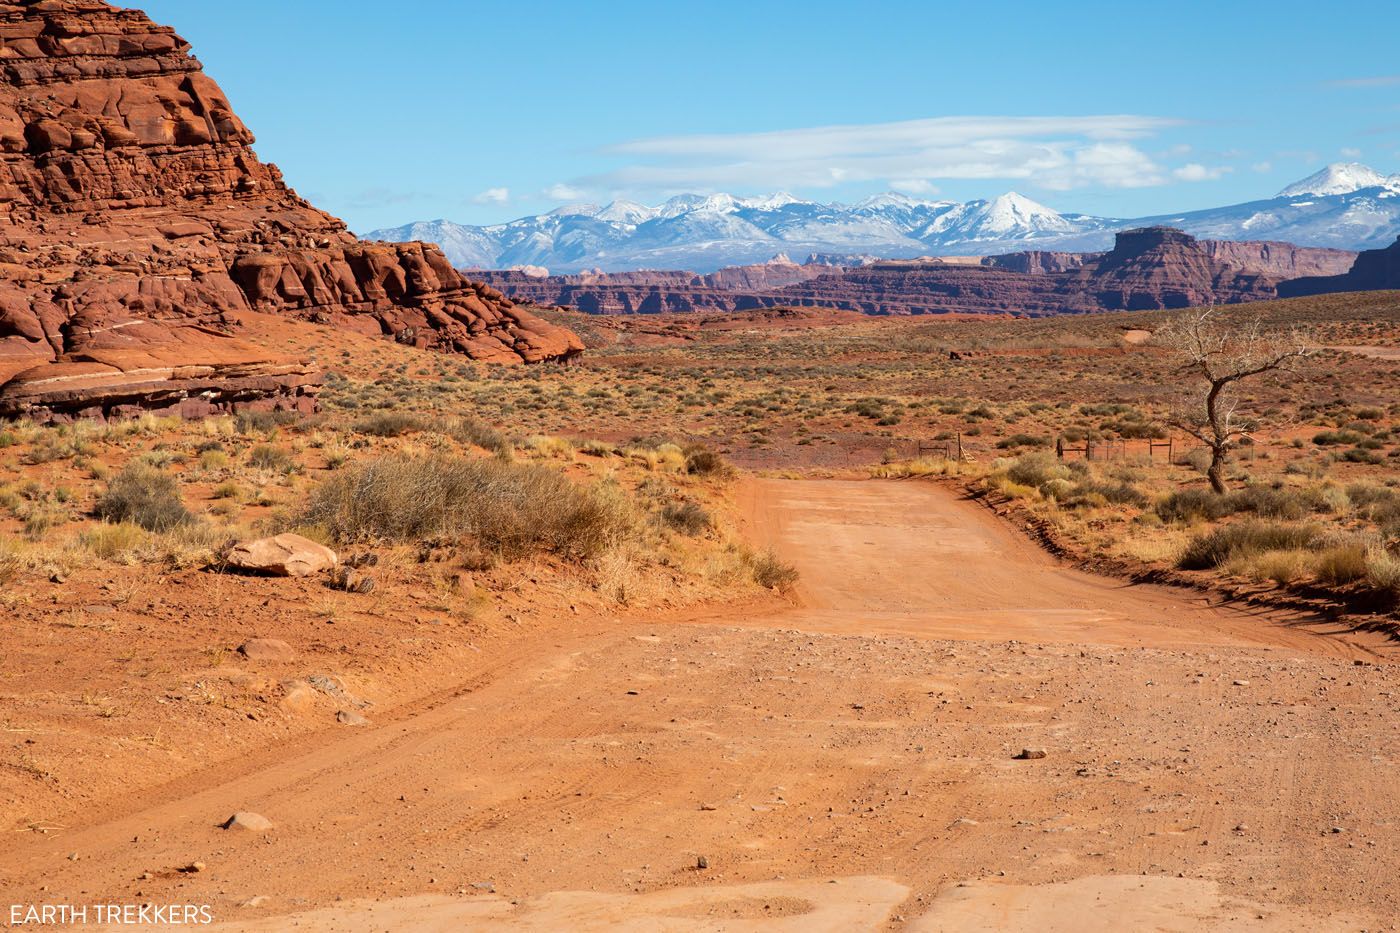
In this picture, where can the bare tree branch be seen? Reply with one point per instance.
(1221, 353)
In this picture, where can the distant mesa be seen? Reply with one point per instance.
(137, 225)
(1374, 270)
(1148, 268)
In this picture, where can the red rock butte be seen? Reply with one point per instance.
(136, 225)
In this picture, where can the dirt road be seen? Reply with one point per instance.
(846, 764)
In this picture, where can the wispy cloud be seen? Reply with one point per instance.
(563, 192)
(1375, 81)
(1053, 152)
(493, 196)
(914, 186)
(1195, 171)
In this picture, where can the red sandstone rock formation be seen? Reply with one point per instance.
(1039, 262)
(651, 292)
(1151, 268)
(1374, 270)
(1161, 267)
(131, 204)
(1279, 260)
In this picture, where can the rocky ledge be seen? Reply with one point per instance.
(136, 221)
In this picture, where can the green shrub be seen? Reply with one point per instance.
(1197, 459)
(1360, 455)
(268, 457)
(1016, 441)
(1282, 567)
(1035, 469)
(146, 496)
(1114, 491)
(1377, 504)
(1341, 563)
(229, 490)
(689, 518)
(508, 507)
(1383, 570)
(596, 449)
(1188, 505)
(1135, 428)
(262, 422)
(478, 433)
(115, 541)
(770, 572)
(702, 461)
(1245, 539)
(388, 423)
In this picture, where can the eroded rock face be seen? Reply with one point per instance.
(130, 200)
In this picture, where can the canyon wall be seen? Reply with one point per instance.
(1374, 270)
(1148, 268)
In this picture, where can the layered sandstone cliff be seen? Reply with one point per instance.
(652, 292)
(136, 223)
(1150, 268)
(1374, 270)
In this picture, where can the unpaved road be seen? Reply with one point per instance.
(844, 765)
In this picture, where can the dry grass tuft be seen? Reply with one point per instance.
(146, 496)
(511, 508)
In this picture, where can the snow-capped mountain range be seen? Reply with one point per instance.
(1345, 205)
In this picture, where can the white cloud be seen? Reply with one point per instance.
(563, 192)
(1195, 171)
(914, 186)
(493, 196)
(1263, 168)
(1113, 165)
(1056, 152)
(1351, 153)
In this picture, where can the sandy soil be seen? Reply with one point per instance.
(1378, 353)
(848, 763)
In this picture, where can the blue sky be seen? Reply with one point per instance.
(485, 111)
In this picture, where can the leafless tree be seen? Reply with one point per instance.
(1221, 351)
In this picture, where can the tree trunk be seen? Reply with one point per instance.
(1216, 472)
(1218, 449)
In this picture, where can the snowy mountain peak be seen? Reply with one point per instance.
(896, 200)
(574, 210)
(626, 212)
(1337, 178)
(772, 202)
(702, 232)
(1012, 213)
(690, 203)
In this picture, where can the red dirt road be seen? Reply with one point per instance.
(846, 764)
